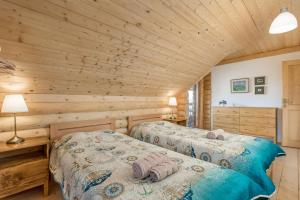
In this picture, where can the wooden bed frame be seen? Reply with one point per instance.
(61, 129)
(134, 120)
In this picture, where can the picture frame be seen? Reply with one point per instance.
(260, 80)
(259, 90)
(239, 85)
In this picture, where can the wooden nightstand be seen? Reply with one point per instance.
(179, 121)
(24, 166)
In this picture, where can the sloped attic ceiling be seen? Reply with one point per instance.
(130, 47)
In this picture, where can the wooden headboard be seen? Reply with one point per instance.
(134, 120)
(60, 129)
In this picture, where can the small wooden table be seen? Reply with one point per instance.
(179, 121)
(24, 166)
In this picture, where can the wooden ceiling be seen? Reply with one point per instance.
(130, 47)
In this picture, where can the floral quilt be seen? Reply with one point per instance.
(251, 156)
(98, 165)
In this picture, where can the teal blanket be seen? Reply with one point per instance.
(259, 153)
(231, 186)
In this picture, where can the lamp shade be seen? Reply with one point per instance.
(284, 22)
(172, 101)
(14, 104)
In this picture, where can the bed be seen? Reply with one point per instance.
(251, 156)
(89, 161)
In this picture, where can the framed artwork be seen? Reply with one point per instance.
(261, 80)
(260, 90)
(240, 85)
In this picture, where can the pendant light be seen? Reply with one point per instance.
(284, 22)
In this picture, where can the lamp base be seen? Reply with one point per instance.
(15, 140)
(172, 117)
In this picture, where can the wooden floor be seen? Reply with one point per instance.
(286, 176)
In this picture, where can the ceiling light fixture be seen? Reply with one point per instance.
(284, 22)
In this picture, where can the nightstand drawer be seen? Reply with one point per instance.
(23, 176)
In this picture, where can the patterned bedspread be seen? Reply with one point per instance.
(97, 165)
(248, 155)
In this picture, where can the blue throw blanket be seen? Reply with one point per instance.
(260, 153)
(230, 188)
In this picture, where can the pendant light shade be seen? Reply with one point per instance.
(284, 22)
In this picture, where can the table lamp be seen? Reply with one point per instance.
(172, 103)
(14, 104)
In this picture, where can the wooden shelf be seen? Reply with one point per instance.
(179, 121)
(29, 142)
(175, 120)
(20, 159)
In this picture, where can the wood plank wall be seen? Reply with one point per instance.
(45, 109)
(181, 105)
(204, 115)
(204, 103)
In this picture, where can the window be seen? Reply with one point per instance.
(192, 106)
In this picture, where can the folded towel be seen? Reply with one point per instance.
(220, 137)
(141, 167)
(161, 171)
(215, 134)
(211, 135)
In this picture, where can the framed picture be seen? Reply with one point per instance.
(261, 80)
(260, 90)
(240, 85)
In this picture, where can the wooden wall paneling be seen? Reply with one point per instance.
(40, 121)
(87, 8)
(182, 105)
(217, 12)
(168, 19)
(57, 104)
(4, 136)
(261, 55)
(155, 49)
(58, 108)
(29, 54)
(80, 15)
(65, 108)
(211, 23)
(98, 82)
(114, 40)
(182, 18)
(205, 103)
(201, 104)
(262, 13)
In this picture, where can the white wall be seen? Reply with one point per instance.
(271, 67)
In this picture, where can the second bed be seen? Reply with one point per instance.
(251, 156)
